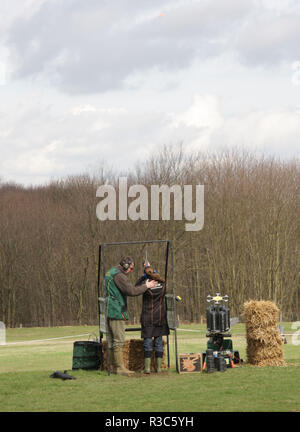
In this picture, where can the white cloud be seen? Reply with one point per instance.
(64, 143)
(295, 66)
(203, 113)
(279, 6)
(272, 132)
(88, 47)
(274, 40)
(83, 109)
(113, 81)
(91, 46)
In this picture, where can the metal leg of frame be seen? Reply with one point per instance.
(166, 275)
(99, 311)
(174, 303)
(107, 350)
(168, 351)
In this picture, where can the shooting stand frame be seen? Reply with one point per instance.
(170, 301)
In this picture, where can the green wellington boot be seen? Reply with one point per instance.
(158, 364)
(147, 365)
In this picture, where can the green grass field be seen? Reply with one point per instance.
(25, 385)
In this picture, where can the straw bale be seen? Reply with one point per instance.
(133, 355)
(264, 343)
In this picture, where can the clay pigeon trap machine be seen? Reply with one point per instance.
(218, 330)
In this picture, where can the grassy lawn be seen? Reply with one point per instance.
(25, 384)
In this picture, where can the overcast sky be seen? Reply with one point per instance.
(90, 82)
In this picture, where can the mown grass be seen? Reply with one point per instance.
(25, 384)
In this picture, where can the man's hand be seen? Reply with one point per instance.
(151, 283)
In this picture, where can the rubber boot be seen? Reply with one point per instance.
(158, 364)
(147, 365)
(120, 369)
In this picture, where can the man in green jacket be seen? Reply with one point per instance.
(117, 288)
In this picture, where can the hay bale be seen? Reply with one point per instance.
(133, 355)
(264, 343)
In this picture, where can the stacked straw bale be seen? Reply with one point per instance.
(264, 343)
(133, 355)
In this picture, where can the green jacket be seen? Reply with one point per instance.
(116, 301)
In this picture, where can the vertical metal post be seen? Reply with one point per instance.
(173, 292)
(166, 275)
(168, 351)
(167, 260)
(175, 334)
(106, 319)
(99, 308)
(98, 289)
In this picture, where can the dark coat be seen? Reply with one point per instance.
(154, 315)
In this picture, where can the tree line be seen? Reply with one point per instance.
(249, 247)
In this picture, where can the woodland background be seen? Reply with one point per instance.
(249, 247)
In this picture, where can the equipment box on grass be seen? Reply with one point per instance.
(191, 362)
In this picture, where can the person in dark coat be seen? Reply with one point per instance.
(153, 318)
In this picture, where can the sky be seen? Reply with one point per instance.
(91, 84)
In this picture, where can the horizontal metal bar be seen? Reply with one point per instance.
(218, 333)
(133, 329)
(134, 242)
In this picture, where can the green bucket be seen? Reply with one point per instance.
(87, 355)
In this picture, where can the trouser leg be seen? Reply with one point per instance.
(158, 346)
(147, 345)
(116, 330)
(116, 333)
(159, 350)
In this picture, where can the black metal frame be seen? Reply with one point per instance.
(101, 266)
